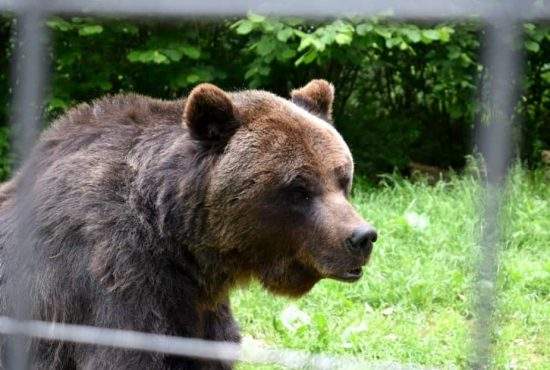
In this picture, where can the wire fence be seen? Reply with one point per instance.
(189, 347)
(502, 21)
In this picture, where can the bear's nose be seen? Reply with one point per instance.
(361, 239)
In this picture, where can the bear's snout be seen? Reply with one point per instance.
(361, 240)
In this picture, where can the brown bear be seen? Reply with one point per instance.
(142, 214)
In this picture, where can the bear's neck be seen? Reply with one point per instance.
(178, 216)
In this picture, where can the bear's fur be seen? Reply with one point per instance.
(142, 214)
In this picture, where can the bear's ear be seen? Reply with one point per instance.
(317, 97)
(210, 115)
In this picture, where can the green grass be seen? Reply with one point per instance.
(414, 303)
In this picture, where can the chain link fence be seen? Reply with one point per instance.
(502, 23)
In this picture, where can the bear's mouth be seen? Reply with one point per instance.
(349, 275)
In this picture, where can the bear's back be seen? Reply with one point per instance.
(124, 109)
(86, 162)
(108, 127)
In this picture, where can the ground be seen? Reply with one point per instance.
(414, 303)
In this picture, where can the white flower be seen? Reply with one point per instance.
(388, 311)
(355, 328)
(293, 318)
(417, 221)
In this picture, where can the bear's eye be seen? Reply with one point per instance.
(298, 193)
(345, 184)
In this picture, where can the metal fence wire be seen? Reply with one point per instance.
(502, 22)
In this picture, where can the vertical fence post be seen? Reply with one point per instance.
(29, 77)
(494, 140)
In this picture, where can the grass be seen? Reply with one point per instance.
(415, 303)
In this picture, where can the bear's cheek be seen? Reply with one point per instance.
(309, 241)
(324, 251)
(280, 225)
(305, 233)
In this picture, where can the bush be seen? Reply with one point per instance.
(404, 92)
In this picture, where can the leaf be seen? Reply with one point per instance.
(413, 34)
(193, 78)
(307, 58)
(90, 30)
(265, 46)
(363, 29)
(529, 27)
(445, 33)
(454, 52)
(384, 32)
(539, 34)
(159, 58)
(319, 45)
(134, 56)
(306, 41)
(245, 27)
(343, 39)
(327, 36)
(270, 26)
(198, 74)
(264, 70)
(251, 73)
(532, 46)
(173, 54)
(342, 27)
(286, 55)
(191, 52)
(255, 18)
(431, 35)
(147, 56)
(391, 42)
(284, 34)
(466, 60)
(59, 24)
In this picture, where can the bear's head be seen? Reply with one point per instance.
(277, 201)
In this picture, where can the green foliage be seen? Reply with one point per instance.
(5, 156)
(5, 54)
(414, 303)
(410, 88)
(404, 91)
(5, 44)
(535, 109)
(92, 58)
